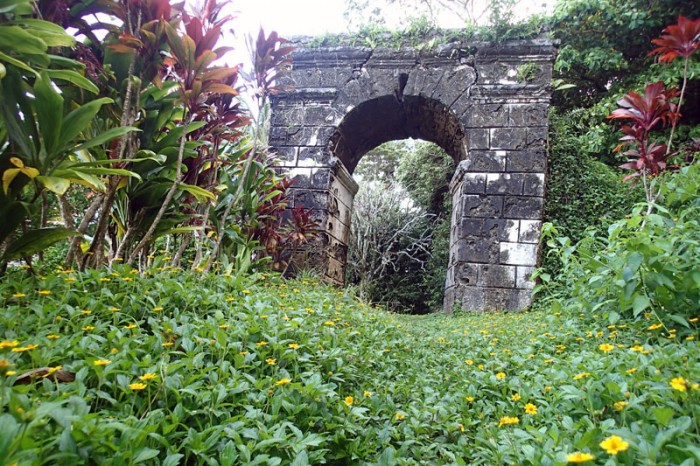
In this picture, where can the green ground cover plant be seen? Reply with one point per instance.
(181, 367)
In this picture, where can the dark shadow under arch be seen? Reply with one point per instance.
(389, 118)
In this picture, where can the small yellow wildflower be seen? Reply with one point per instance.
(329, 323)
(87, 328)
(581, 375)
(224, 326)
(294, 345)
(655, 326)
(283, 381)
(44, 292)
(469, 362)
(606, 347)
(620, 405)
(469, 399)
(243, 353)
(515, 397)
(679, 383)
(148, 376)
(130, 326)
(367, 394)
(137, 386)
(501, 375)
(167, 344)
(579, 457)
(631, 370)
(86, 312)
(507, 420)
(157, 309)
(9, 373)
(271, 361)
(52, 370)
(530, 408)
(460, 427)
(102, 362)
(349, 400)
(4, 364)
(22, 349)
(19, 295)
(614, 445)
(8, 344)
(399, 416)
(245, 291)
(261, 343)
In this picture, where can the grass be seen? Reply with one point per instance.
(182, 368)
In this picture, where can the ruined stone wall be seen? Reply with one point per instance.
(467, 98)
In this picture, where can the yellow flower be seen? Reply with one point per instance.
(44, 292)
(148, 376)
(86, 312)
(22, 349)
(130, 326)
(87, 328)
(515, 397)
(679, 383)
(4, 364)
(9, 373)
(548, 361)
(329, 323)
(271, 361)
(469, 362)
(294, 345)
(167, 344)
(157, 309)
(506, 420)
(19, 295)
(399, 416)
(606, 347)
(8, 344)
(460, 427)
(620, 405)
(53, 336)
(501, 375)
(349, 400)
(367, 393)
(614, 445)
(283, 381)
(579, 457)
(243, 353)
(631, 370)
(480, 367)
(530, 408)
(694, 319)
(655, 326)
(223, 326)
(102, 362)
(245, 291)
(261, 343)
(581, 375)
(137, 386)
(113, 309)
(52, 370)
(469, 399)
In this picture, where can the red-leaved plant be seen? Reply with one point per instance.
(657, 108)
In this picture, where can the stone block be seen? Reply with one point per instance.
(482, 206)
(477, 138)
(313, 157)
(511, 299)
(470, 227)
(536, 136)
(529, 231)
(496, 275)
(320, 178)
(531, 114)
(533, 184)
(527, 161)
(470, 249)
(501, 229)
(523, 280)
(528, 208)
(474, 183)
(466, 274)
(518, 254)
(472, 299)
(486, 116)
(504, 183)
(486, 161)
(508, 138)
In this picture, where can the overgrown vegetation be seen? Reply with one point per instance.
(257, 370)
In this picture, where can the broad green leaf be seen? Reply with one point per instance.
(18, 40)
(52, 34)
(80, 177)
(49, 113)
(7, 6)
(18, 63)
(199, 193)
(55, 184)
(663, 415)
(35, 241)
(105, 137)
(74, 78)
(639, 303)
(108, 171)
(79, 119)
(145, 454)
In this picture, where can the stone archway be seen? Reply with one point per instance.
(485, 104)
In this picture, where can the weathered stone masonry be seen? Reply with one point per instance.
(467, 98)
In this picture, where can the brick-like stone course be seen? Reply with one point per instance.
(343, 101)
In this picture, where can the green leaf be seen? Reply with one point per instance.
(52, 34)
(49, 113)
(302, 459)
(18, 63)
(172, 459)
(35, 241)
(15, 39)
(108, 171)
(55, 184)
(639, 303)
(105, 137)
(663, 415)
(73, 77)
(145, 454)
(199, 193)
(79, 119)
